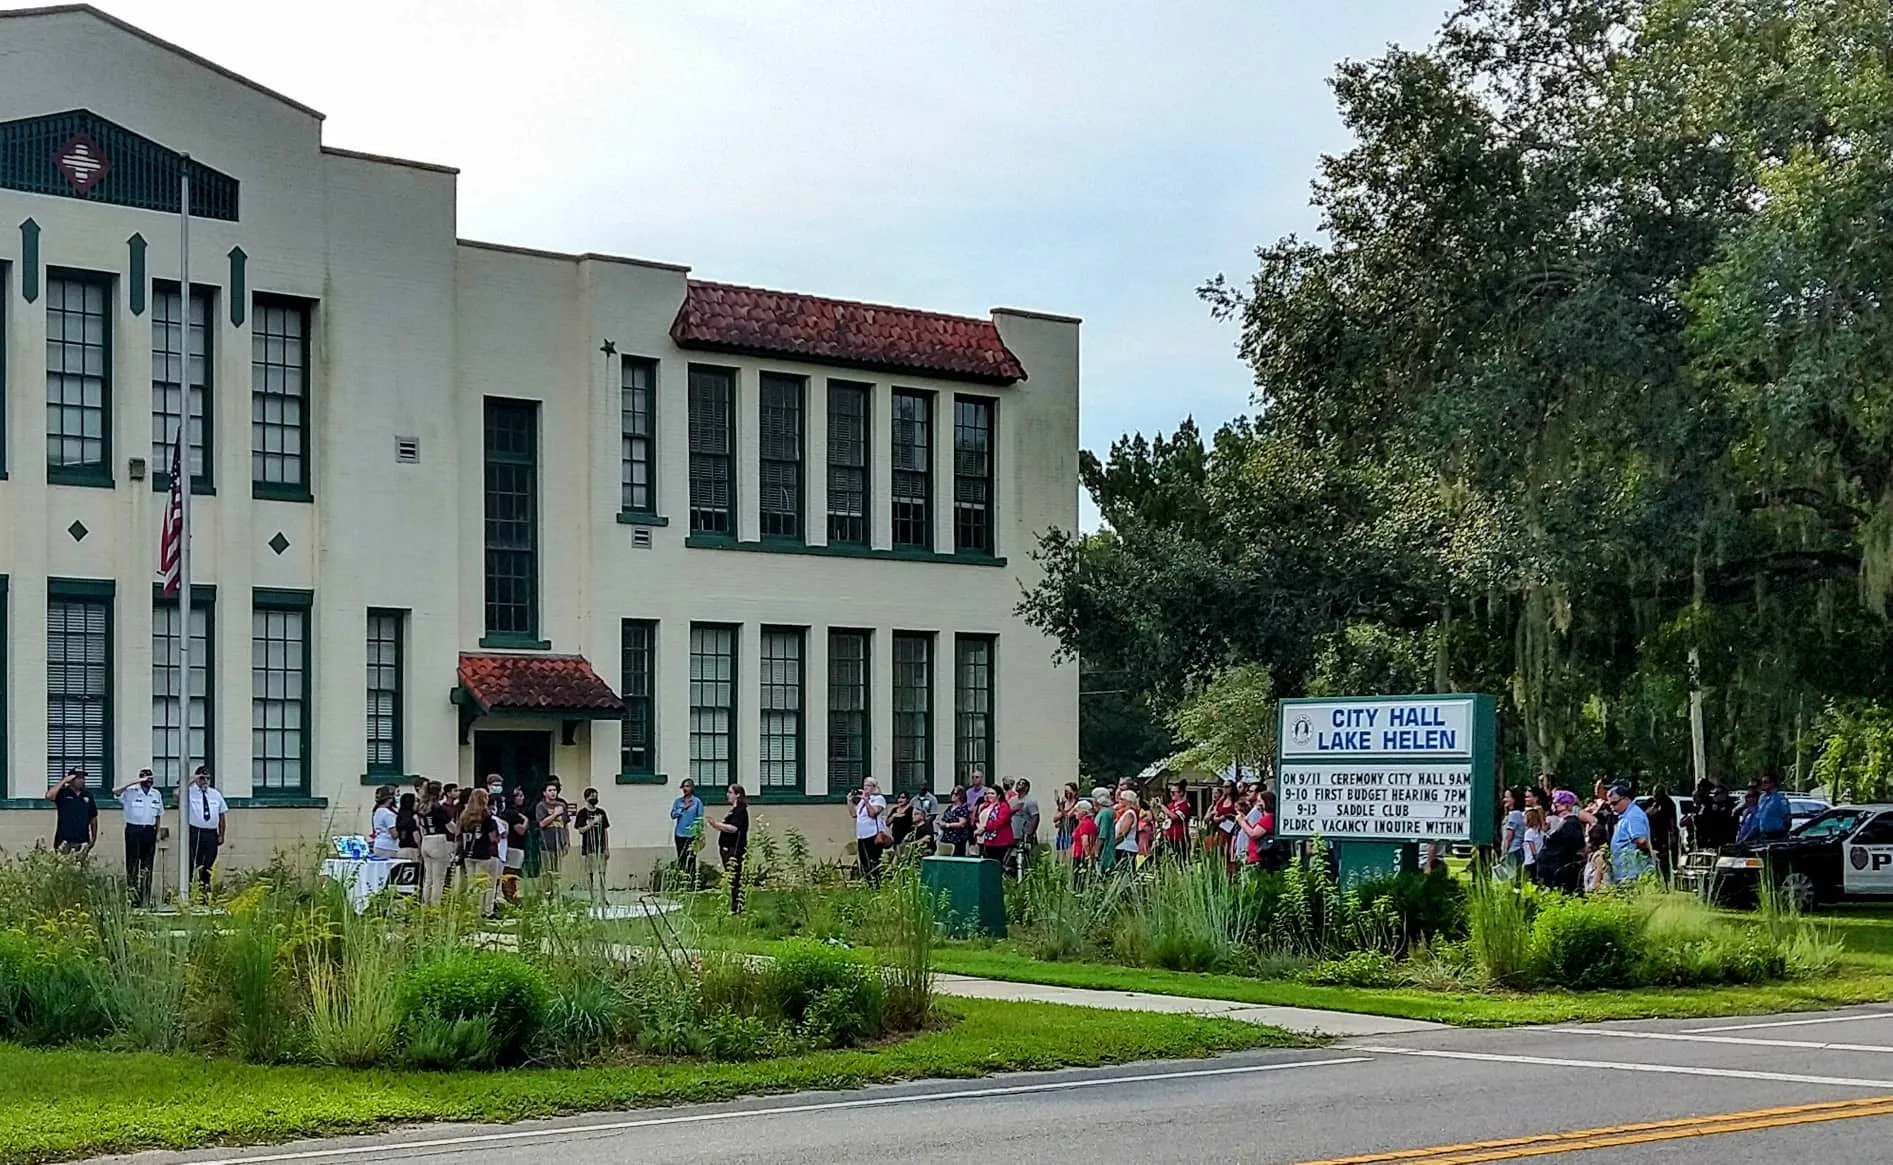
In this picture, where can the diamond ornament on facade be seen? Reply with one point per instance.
(78, 531)
(82, 162)
(279, 543)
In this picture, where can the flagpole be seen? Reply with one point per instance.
(184, 539)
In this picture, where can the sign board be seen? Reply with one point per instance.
(1387, 768)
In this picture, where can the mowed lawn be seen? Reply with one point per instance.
(65, 1103)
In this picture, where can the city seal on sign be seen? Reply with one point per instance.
(1858, 858)
(1301, 730)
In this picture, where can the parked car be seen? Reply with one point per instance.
(1802, 810)
(1839, 854)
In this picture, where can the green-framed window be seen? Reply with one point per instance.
(973, 704)
(779, 760)
(712, 422)
(79, 655)
(973, 474)
(913, 711)
(912, 509)
(850, 415)
(638, 431)
(78, 378)
(387, 687)
(512, 518)
(850, 708)
(280, 684)
(279, 397)
(780, 433)
(637, 749)
(171, 364)
(712, 705)
(176, 749)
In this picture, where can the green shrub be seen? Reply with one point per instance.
(738, 1037)
(1356, 969)
(48, 994)
(831, 994)
(803, 970)
(1425, 906)
(446, 1045)
(736, 984)
(587, 1016)
(1587, 943)
(503, 989)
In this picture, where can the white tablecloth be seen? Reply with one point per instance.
(364, 877)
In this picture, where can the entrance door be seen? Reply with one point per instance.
(522, 759)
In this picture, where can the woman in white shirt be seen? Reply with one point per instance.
(381, 838)
(870, 830)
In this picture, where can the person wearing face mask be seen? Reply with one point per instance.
(144, 808)
(594, 844)
(518, 826)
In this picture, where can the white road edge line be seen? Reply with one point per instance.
(1688, 1038)
(1749, 1027)
(380, 1147)
(1659, 1069)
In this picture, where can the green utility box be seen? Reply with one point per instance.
(969, 895)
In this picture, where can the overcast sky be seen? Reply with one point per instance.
(1097, 158)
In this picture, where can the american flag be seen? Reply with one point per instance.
(171, 545)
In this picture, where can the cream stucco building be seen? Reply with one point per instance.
(463, 507)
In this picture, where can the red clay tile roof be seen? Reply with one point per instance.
(523, 683)
(728, 318)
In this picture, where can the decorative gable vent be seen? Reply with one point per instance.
(78, 154)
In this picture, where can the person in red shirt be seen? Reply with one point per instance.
(1219, 838)
(1084, 835)
(995, 838)
(1176, 821)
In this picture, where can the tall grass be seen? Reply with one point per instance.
(909, 972)
(1186, 918)
(144, 974)
(354, 1004)
(1499, 925)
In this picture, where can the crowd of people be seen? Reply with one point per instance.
(1552, 837)
(487, 835)
(1109, 828)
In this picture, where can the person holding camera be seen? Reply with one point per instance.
(76, 814)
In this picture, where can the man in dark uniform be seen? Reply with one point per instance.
(76, 828)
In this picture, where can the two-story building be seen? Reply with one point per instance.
(461, 507)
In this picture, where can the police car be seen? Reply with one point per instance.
(1840, 854)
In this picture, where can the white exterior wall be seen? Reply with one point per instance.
(412, 331)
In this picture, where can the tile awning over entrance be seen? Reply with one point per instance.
(552, 687)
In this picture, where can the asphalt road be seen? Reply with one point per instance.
(1802, 1088)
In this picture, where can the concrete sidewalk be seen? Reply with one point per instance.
(1296, 1019)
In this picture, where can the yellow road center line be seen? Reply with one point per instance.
(1709, 1130)
(1607, 1136)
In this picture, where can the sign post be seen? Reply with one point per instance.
(1376, 775)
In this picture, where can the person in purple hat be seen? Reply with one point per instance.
(1560, 864)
